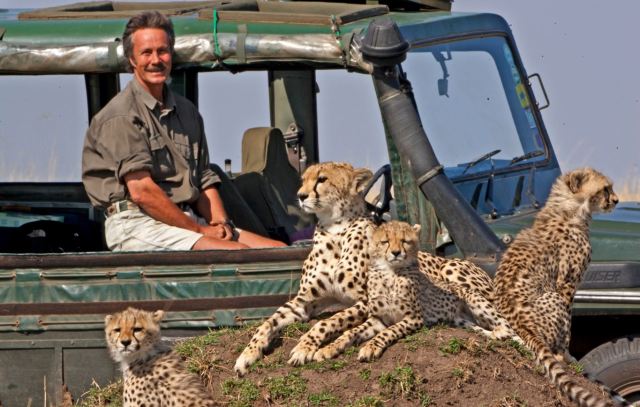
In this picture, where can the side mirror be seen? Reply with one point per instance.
(540, 85)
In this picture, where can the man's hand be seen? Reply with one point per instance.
(217, 230)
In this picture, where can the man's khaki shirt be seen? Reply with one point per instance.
(133, 132)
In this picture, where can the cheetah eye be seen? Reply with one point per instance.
(137, 329)
(606, 193)
(322, 179)
(384, 242)
(116, 330)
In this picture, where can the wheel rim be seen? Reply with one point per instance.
(630, 390)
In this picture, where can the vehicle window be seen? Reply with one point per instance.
(43, 120)
(473, 105)
(229, 105)
(349, 121)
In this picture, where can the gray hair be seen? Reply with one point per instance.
(146, 19)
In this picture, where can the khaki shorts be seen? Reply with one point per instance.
(134, 230)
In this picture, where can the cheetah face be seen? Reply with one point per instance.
(326, 186)
(132, 331)
(589, 184)
(395, 243)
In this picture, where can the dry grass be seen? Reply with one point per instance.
(629, 190)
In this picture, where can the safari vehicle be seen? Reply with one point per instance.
(450, 103)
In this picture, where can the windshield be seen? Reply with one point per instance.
(474, 106)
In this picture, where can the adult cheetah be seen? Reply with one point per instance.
(540, 272)
(335, 270)
(154, 375)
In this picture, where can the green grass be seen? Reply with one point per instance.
(365, 374)
(108, 396)
(577, 367)
(324, 398)
(457, 372)
(453, 347)
(191, 346)
(425, 399)
(325, 365)
(416, 340)
(401, 381)
(295, 330)
(522, 349)
(241, 392)
(286, 387)
(199, 352)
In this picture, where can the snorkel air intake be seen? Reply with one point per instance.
(384, 48)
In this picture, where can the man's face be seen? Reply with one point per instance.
(151, 60)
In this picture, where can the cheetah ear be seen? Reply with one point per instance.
(158, 315)
(416, 228)
(108, 319)
(575, 180)
(361, 177)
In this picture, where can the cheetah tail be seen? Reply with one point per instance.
(558, 374)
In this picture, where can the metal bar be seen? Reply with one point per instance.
(108, 259)
(608, 296)
(256, 301)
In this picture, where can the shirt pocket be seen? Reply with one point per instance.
(163, 163)
(184, 149)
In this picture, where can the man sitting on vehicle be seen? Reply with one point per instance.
(145, 158)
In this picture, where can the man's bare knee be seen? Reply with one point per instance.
(208, 243)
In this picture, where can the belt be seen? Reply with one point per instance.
(120, 206)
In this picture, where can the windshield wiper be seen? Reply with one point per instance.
(481, 159)
(529, 155)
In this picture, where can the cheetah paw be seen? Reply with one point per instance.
(328, 352)
(502, 332)
(301, 354)
(246, 359)
(369, 352)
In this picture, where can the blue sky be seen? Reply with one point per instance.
(582, 51)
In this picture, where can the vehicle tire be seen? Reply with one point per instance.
(617, 365)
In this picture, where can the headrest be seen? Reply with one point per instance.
(259, 144)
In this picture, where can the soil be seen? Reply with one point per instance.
(440, 366)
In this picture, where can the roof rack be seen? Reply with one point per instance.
(120, 9)
(272, 11)
(300, 12)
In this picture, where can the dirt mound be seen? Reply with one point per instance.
(435, 367)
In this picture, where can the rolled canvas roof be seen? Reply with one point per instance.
(85, 37)
(311, 32)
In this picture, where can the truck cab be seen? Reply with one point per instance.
(441, 97)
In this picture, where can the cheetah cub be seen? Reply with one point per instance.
(540, 272)
(335, 272)
(154, 375)
(401, 300)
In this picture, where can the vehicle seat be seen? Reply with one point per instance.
(236, 207)
(270, 184)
